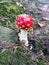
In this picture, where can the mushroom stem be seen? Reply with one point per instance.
(23, 36)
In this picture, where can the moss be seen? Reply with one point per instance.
(17, 58)
(38, 42)
(41, 62)
(9, 11)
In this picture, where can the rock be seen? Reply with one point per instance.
(7, 36)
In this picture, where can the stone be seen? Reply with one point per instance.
(7, 36)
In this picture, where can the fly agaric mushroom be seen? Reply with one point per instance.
(24, 22)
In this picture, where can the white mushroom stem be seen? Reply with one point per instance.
(23, 36)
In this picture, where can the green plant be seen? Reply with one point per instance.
(19, 57)
(39, 45)
(41, 62)
(8, 12)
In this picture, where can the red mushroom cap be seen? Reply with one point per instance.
(24, 21)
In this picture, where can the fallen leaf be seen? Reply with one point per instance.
(41, 24)
(9, 45)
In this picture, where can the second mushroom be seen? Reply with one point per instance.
(24, 22)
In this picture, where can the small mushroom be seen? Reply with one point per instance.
(24, 22)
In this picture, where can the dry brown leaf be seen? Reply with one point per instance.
(41, 24)
(9, 45)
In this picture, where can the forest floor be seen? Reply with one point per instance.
(10, 46)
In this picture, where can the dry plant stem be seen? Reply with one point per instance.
(22, 44)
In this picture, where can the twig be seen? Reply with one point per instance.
(22, 44)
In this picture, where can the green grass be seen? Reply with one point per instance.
(8, 13)
(41, 62)
(19, 57)
(38, 42)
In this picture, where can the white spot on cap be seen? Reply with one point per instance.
(21, 22)
(28, 19)
(23, 26)
(20, 27)
(24, 19)
(20, 18)
(30, 27)
(28, 24)
(18, 22)
(26, 28)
